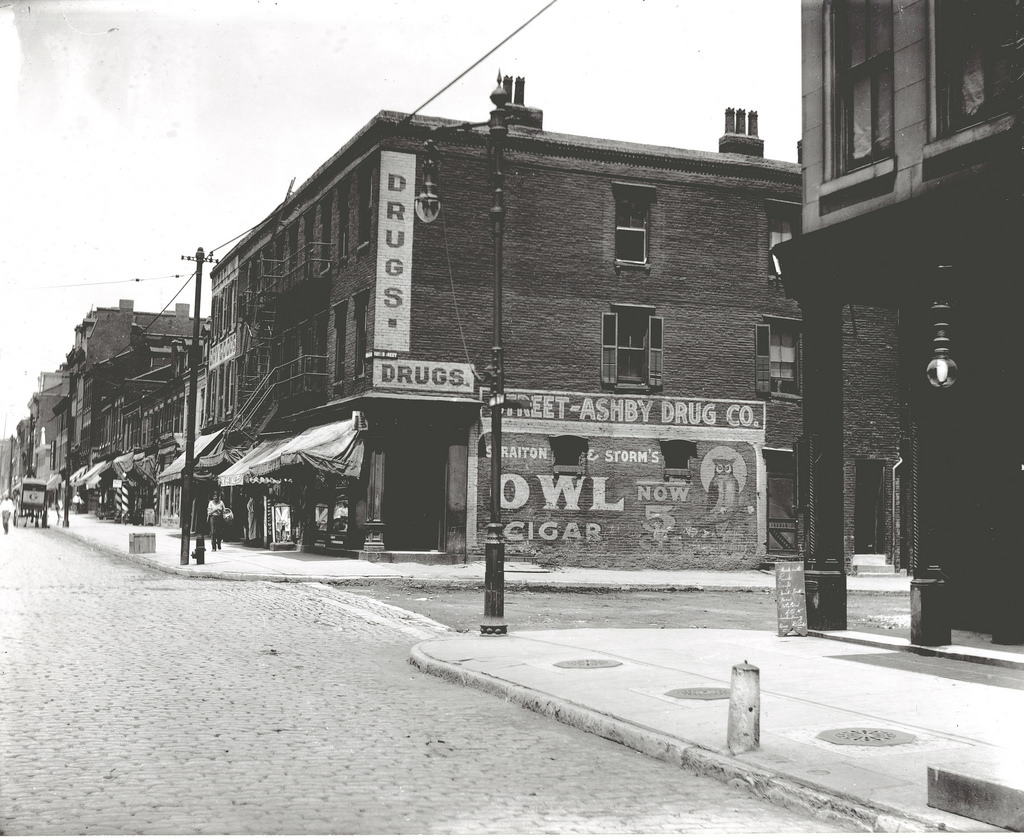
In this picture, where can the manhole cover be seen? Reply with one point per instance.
(873, 736)
(699, 693)
(588, 663)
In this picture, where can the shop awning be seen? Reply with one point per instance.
(124, 464)
(78, 475)
(234, 475)
(202, 445)
(53, 482)
(91, 478)
(334, 449)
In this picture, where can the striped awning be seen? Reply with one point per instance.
(91, 478)
(202, 446)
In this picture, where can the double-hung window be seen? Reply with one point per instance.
(777, 358)
(974, 45)
(862, 56)
(632, 347)
(632, 222)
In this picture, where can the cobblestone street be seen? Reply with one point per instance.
(138, 702)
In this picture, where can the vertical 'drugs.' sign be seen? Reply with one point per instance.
(395, 215)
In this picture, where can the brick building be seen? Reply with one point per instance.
(655, 360)
(109, 348)
(912, 215)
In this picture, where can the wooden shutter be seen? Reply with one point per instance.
(609, 347)
(762, 360)
(655, 354)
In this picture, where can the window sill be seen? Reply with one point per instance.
(621, 266)
(786, 397)
(979, 144)
(856, 178)
(966, 136)
(633, 388)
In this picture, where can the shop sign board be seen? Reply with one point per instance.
(394, 251)
(638, 410)
(434, 377)
(791, 598)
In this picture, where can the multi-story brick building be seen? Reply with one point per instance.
(654, 359)
(109, 348)
(912, 215)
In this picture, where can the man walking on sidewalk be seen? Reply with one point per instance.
(6, 510)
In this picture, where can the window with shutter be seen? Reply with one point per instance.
(632, 347)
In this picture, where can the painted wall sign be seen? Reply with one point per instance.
(423, 376)
(394, 251)
(625, 503)
(225, 350)
(639, 410)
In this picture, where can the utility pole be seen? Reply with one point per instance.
(195, 356)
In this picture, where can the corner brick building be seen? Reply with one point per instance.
(654, 360)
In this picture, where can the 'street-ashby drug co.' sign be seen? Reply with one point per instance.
(636, 410)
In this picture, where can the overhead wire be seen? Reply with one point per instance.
(479, 61)
(451, 280)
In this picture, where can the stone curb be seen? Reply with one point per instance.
(426, 583)
(845, 811)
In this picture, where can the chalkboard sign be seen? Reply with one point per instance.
(791, 598)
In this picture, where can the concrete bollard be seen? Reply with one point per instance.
(744, 709)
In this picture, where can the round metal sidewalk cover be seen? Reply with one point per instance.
(873, 736)
(700, 693)
(588, 663)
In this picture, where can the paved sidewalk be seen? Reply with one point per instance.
(236, 561)
(954, 706)
(936, 712)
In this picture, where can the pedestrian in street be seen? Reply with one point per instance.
(215, 516)
(6, 510)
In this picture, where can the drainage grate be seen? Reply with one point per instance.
(700, 693)
(872, 736)
(588, 663)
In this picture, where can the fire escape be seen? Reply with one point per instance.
(262, 385)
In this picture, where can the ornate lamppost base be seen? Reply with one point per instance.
(488, 629)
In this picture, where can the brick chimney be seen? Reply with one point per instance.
(741, 134)
(521, 114)
(181, 310)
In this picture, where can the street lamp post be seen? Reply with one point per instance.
(494, 545)
(428, 206)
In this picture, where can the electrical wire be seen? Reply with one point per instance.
(451, 282)
(108, 282)
(479, 61)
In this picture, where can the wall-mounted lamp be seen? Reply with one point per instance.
(428, 203)
(941, 369)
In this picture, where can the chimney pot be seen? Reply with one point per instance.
(741, 121)
(520, 91)
(752, 123)
(730, 121)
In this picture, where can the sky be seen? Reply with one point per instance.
(133, 132)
